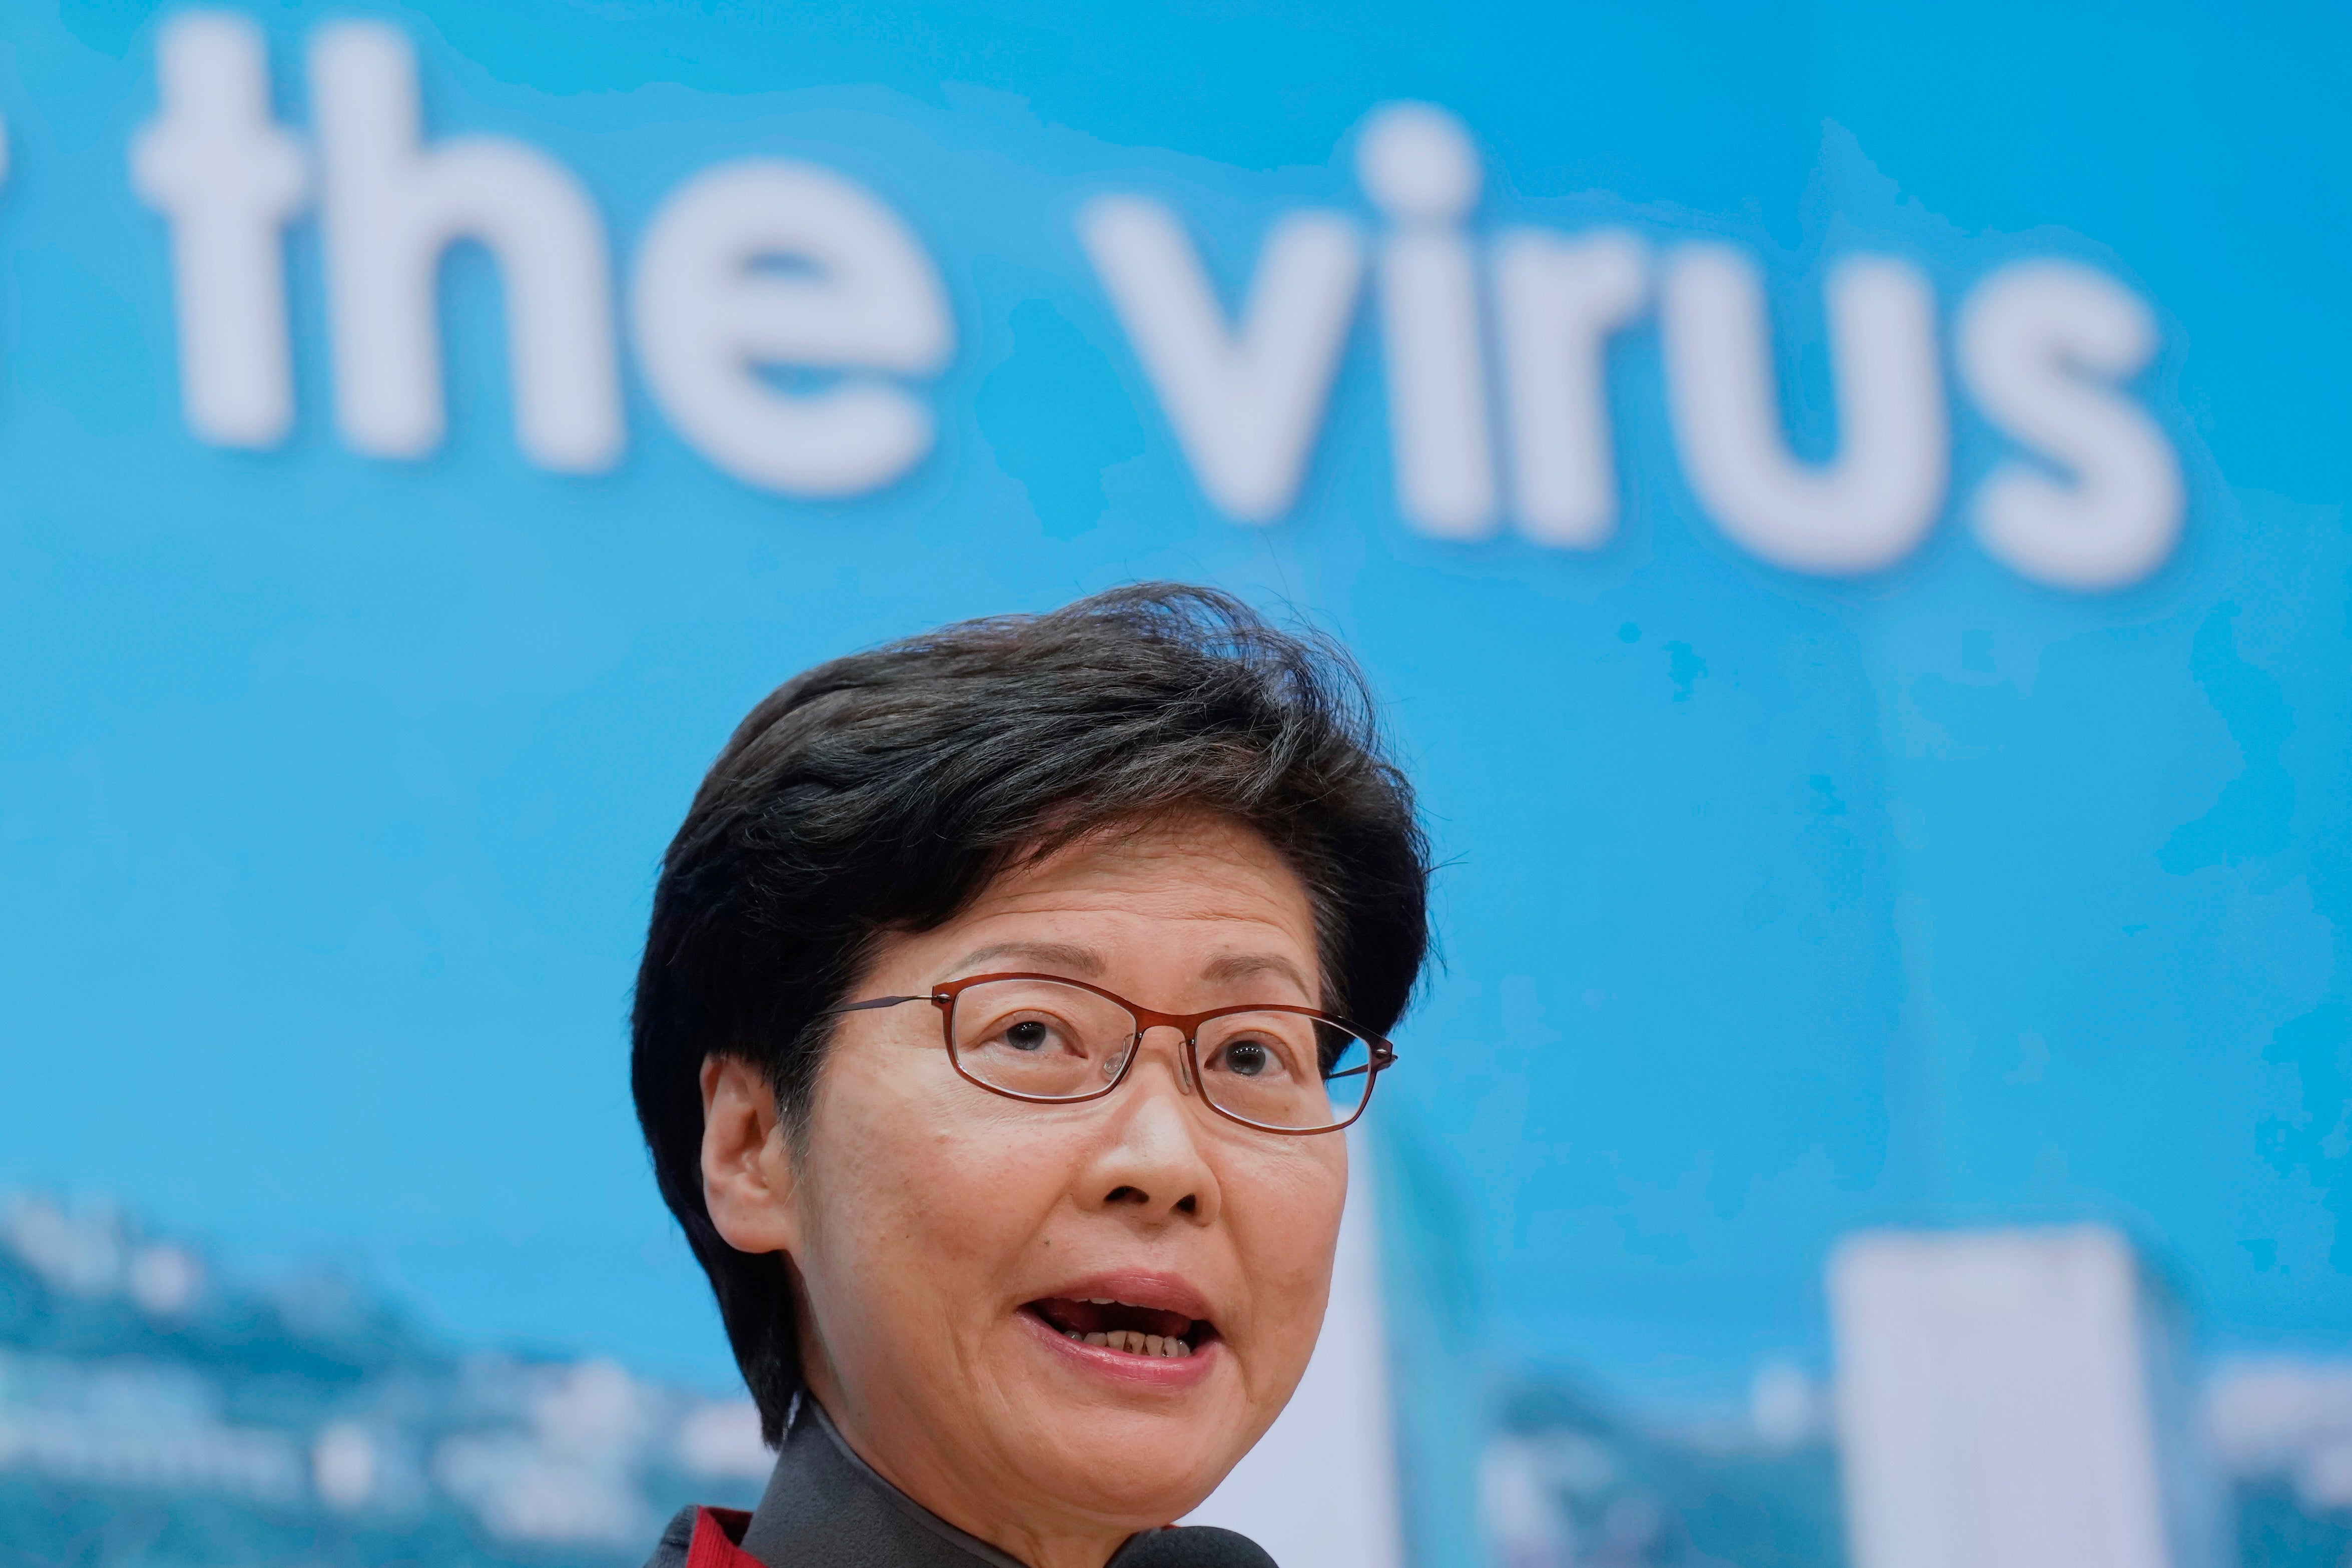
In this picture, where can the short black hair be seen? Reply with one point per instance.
(881, 791)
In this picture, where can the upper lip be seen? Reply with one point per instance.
(1136, 1288)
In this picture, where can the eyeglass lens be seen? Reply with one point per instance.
(1052, 1042)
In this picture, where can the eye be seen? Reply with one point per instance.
(1032, 1034)
(1246, 1059)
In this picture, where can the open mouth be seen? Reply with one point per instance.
(1116, 1325)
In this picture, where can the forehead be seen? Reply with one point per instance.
(1198, 891)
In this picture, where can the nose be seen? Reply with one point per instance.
(1151, 1161)
(1177, 1053)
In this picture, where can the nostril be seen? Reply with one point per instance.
(1192, 1205)
(1129, 1194)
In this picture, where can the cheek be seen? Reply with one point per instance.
(922, 1197)
(1283, 1211)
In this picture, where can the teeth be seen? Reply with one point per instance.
(1099, 1301)
(1132, 1342)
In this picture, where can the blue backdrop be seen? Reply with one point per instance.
(1776, 904)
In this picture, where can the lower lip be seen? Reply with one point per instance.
(1169, 1372)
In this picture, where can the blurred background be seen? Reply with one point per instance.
(1843, 506)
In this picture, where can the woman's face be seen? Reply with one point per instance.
(947, 1239)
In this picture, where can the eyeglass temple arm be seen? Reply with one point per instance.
(1381, 1058)
(876, 1002)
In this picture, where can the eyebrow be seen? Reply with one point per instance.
(1085, 961)
(1054, 955)
(1248, 966)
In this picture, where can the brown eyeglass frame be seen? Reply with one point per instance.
(943, 997)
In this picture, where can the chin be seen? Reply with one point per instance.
(1151, 1469)
(1124, 1429)
(1145, 1487)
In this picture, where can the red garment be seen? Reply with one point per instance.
(717, 1534)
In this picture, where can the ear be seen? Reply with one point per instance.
(748, 1181)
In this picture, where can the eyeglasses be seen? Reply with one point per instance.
(1051, 1040)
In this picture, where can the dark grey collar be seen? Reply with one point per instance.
(825, 1508)
(825, 1505)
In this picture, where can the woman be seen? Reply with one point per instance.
(1005, 992)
